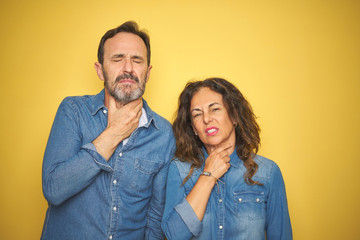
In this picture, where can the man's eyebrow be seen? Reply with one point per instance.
(137, 57)
(120, 55)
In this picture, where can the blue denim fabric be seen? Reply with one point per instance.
(235, 211)
(91, 198)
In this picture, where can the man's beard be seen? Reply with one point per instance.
(123, 93)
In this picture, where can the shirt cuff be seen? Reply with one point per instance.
(99, 160)
(189, 217)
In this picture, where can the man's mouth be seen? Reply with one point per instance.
(127, 81)
(127, 78)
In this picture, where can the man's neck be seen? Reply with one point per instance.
(109, 98)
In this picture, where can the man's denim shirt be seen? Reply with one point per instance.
(91, 198)
(235, 211)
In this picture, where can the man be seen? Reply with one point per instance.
(107, 157)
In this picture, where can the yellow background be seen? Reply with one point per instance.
(297, 62)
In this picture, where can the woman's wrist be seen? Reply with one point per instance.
(206, 175)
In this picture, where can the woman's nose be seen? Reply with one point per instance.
(207, 117)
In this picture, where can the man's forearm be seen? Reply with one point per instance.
(64, 179)
(107, 142)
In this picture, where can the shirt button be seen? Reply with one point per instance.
(114, 182)
(104, 111)
(114, 208)
(258, 200)
(240, 199)
(110, 237)
(220, 200)
(120, 154)
(220, 227)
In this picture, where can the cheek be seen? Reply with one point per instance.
(230, 127)
(196, 126)
(139, 68)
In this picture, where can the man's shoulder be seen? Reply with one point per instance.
(80, 98)
(75, 103)
(90, 102)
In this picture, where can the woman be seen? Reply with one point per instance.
(218, 188)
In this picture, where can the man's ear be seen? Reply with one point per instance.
(99, 70)
(148, 73)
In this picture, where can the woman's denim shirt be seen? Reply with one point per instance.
(91, 198)
(235, 210)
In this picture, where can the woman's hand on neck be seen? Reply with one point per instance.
(230, 147)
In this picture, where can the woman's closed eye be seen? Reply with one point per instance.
(195, 115)
(215, 109)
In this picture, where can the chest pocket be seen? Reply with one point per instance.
(144, 171)
(250, 205)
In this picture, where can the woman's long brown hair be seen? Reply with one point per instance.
(189, 146)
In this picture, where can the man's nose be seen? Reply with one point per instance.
(128, 65)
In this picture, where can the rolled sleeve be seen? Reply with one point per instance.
(179, 219)
(99, 160)
(189, 217)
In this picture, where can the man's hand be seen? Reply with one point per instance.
(122, 121)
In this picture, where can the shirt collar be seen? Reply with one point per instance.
(150, 115)
(143, 118)
(98, 102)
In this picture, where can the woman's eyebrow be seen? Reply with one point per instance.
(195, 109)
(212, 104)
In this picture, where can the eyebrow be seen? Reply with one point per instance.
(210, 105)
(121, 55)
(137, 57)
(196, 109)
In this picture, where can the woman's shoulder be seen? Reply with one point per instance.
(181, 165)
(263, 161)
(182, 169)
(266, 168)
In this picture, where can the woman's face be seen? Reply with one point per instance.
(211, 121)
